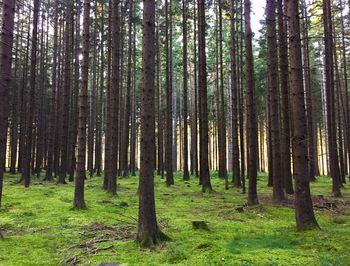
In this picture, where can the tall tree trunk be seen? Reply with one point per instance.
(308, 94)
(169, 92)
(330, 100)
(251, 110)
(284, 82)
(203, 102)
(221, 110)
(236, 178)
(52, 114)
(278, 194)
(66, 96)
(186, 174)
(79, 201)
(6, 43)
(148, 231)
(305, 218)
(26, 172)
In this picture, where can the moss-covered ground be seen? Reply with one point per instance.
(39, 227)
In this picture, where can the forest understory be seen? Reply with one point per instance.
(39, 226)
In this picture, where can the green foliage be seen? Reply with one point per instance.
(40, 227)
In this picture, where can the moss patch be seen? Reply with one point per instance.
(41, 228)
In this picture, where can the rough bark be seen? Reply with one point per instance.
(6, 43)
(148, 233)
(203, 102)
(305, 218)
(252, 133)
(79, 201)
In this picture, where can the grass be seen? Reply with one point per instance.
(41, 228)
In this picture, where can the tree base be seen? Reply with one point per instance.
(149, 241)
(308, 225)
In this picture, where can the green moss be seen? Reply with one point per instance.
(40, 227)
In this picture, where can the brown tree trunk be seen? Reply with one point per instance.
(278, 194)
(148, 233)
(169, 95)
(66, 96)
(203, 102)
(330, 100)
(6, 42)
(308, 94)
(79, 201)
(186, 174)
(251, 112)
(236, 178)
(305, 218)
(26, 172)
(284, 81)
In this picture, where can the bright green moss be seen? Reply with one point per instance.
(41, 228)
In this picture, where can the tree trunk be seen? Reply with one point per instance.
(6, 42)
(305, 218)
(26, 172)
(278, 194)
(148, 233)
(284, 81)
(251, 112)
(203, 102)
(186, 174)
(169, 91)
(79, 201)
(330, 100)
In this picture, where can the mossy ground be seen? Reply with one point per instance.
(41, 228)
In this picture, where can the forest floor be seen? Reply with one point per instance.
(39, 226)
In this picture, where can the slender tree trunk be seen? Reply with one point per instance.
(330, 100)
(203, 102)
(308, 94)
(236, 178)
(148, 231)
(305, 218)
(26, 172)
(169, 93)
(186, 174)
(251, 112)
(6, 43)
(66, 96)
(284, 81)
(278, 194)
(79, 201)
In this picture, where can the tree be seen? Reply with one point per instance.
(148, 233)
(79, 201)
(305, 218)
(169, 99)
(330, 99)
(6, 43)
(278, 194)
(221, 107)
(66, 95)
(52, 114)
(186, 174)
(203, 101)
(252, 135)
(234, 96)
(284, 82)
(26, 171)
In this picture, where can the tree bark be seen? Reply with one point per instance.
(6, 43)
(305, 218)
(203, 102)
(148, 233)
(79, 201)
(251, 112)
(278, 193)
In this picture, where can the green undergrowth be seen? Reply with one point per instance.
(41, 228)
